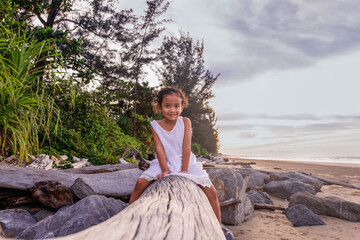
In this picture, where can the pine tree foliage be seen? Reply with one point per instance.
(182, 66)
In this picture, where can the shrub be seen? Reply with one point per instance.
(25, 110)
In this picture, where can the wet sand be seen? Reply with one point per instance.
(266, 224)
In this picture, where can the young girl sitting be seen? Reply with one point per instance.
(172, 137)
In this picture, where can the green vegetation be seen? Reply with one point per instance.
(65, 90)
(25, 109)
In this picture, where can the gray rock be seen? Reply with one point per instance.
(284, 189)
(227, 232)
(63, 158)
(14, 221)
(256, 178)
(296, 176)
(42, 214)
(330, 206)
(87, 212)
(259, 197)
(230, 185)
(300, 215)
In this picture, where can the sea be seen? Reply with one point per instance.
(339, 159)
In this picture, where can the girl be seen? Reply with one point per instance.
(172, 137)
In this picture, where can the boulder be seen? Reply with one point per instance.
(14, 221)
(296, 176)
(53, 194)
(259, 197)
(227, 232)
(330, 206)
(71, 219)
(256, 178)
(230, 184)
(300, 215)
(284, 189)
(43, 213)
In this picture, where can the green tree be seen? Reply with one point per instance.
(182, 66)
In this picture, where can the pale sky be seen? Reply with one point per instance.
(289, 83)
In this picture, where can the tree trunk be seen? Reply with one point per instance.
(111, 184)
(173, 208)
(100, 168)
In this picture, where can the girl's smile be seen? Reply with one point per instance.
(171, 107)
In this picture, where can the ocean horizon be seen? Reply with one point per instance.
(337, 159)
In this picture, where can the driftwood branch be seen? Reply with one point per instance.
(229, 202)
(173, 208)
(341, 183)
(267, 206)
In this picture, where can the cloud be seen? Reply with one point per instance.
(285, 34)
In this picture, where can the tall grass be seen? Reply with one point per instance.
(24, 108)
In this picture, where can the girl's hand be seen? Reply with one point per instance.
(183, 171)
(163, 174)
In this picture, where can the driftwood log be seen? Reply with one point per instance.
(340, 183)
(81, 189)
(111, 184)
(267, 206)
(172, 208)
(100, 168)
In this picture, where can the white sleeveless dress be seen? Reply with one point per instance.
(172, 142)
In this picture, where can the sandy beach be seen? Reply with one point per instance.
(266, 224)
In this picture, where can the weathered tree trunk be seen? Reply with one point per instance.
(173, 208)
(111, 184)
(100, 168)
(268, 206)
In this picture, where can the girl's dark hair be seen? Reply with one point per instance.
(171, 90)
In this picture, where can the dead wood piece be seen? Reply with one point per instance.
(229, 202)
(258, 188)
(53, 194)
(144, 164)
(267, 206)
(341, 183)
(100, 169)
(239, 163)
(111, 184)
(12, 197)
(81, 189)
(172, 208)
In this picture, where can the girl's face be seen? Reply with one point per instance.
(171, 107)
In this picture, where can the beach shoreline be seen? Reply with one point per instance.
(266, 224)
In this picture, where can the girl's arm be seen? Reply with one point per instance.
(160, 155)
(186, 145)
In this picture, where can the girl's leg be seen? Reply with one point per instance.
(212, 196)
(140, 186)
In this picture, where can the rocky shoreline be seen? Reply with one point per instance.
(71, 200)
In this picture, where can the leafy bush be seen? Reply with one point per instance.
(25, 109)
(87, 130)
(95, 136)
(198, 150)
